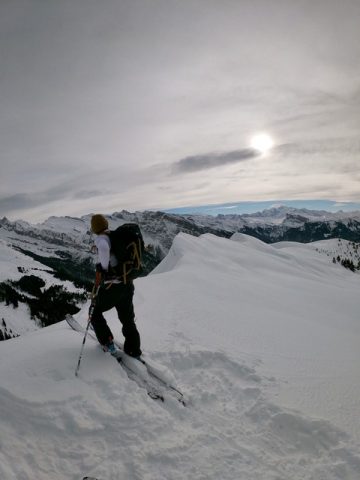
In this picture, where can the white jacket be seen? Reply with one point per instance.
(105, 258)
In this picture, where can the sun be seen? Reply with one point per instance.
(262, 142)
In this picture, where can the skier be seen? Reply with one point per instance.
(112, 292)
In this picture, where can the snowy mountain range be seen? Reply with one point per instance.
(68, 238)
(288, 224)
(48, 257)
(263, 340)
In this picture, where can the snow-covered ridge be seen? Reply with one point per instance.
(263, 340)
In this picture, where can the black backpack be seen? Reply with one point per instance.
(127, 245)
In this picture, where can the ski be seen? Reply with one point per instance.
(154, 374)
(175, 390)
(133, 373)
(129, 364)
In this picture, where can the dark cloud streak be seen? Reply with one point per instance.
(21, 201)
(26, 201)
(205, 161)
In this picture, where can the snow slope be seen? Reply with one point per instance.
(13, 266)
(263, 340)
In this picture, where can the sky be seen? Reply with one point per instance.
(239, 208)
(153, 104)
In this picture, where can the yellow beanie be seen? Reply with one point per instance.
(99, 223)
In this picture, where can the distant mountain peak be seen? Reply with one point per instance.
(294, 219)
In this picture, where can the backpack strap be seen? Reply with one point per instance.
(136, 253)
(135, 262)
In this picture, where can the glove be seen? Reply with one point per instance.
(100, 274)
(98, 278)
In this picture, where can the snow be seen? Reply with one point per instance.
(13, 266)
(17, 320)
(10, 260)
(262, 339)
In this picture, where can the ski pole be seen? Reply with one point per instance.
(91, 310)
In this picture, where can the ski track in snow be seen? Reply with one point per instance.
(210, 331)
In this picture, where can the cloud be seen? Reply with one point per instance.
(20, 201)
(349, 145)
(85, 194)
(195, 163)
(27, 201)
(86, 107)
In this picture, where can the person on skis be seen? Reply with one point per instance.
(113, 291)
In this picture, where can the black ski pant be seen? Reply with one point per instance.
(120, 296)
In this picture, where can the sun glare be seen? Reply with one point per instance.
(262, 142)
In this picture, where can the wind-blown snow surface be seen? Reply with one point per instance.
(264, 341)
